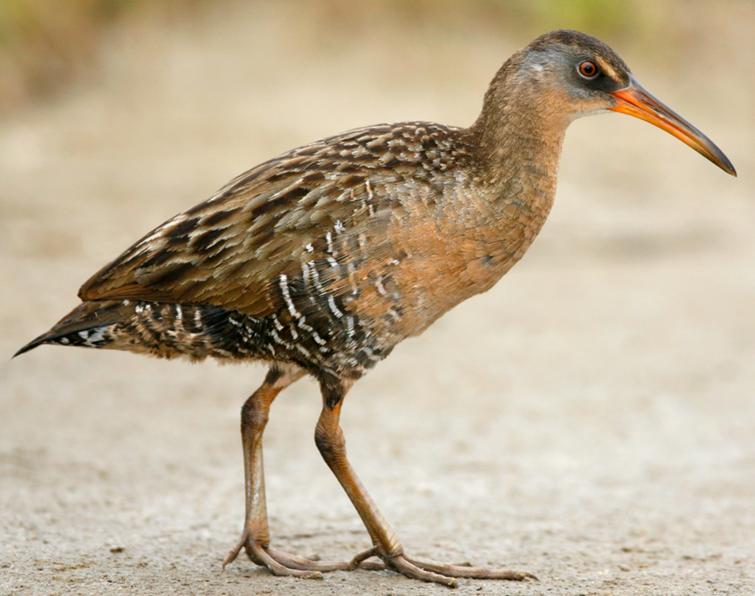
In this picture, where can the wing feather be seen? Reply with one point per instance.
(230, 250)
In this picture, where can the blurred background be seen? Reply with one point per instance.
(591, 419)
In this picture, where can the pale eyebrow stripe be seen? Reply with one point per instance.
(608, 69)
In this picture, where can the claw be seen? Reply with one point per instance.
(234, 552)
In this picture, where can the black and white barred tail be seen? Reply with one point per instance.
(88, 325)
(165, 330)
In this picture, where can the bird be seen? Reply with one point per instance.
(320, 261)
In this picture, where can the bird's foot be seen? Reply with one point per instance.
(280, 562)
(433, 571)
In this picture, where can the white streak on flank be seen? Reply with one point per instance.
(179, 312)
(305, 274)
(333, 307)
(329, 241)
(339, 227)
(315, 275)
(302, 325)
(318, 340)
(352, 278)
(350, 326)
(126, 303)
(309, 247)
(369, 189)
(287, 297)
(84, 334)
(197, 317)
(332, 262)
(277, 323)
(278, 339)
(294, 334)
(304, 350)
(380, 287)
(65, 341)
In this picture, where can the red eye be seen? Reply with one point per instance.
(587, 69)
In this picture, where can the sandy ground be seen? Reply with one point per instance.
(591, 419)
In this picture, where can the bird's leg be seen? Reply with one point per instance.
(255, 537)
(330, 442)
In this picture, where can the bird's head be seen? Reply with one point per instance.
(572, 74)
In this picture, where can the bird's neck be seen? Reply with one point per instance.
(518, 144)
(518, 138)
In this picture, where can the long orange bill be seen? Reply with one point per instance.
(636, 101)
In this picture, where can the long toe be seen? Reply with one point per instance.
(234, 552)
(470, 571)
(304, 564)
(265, 559)
(405, 567)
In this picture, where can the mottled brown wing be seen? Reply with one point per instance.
(230, 250)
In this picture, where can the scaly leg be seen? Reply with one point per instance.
(330, 442)
(255, 537)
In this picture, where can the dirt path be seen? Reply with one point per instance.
(591, 419)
